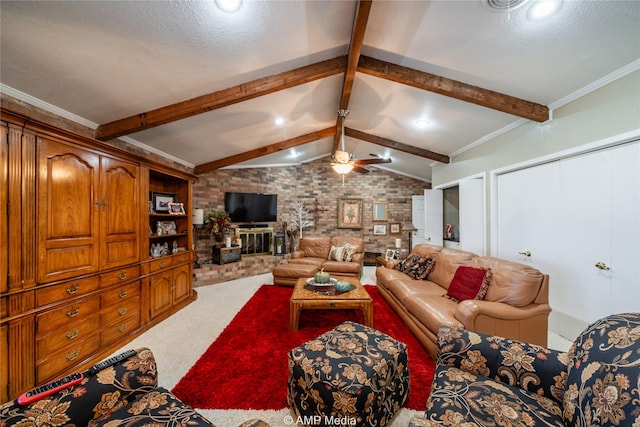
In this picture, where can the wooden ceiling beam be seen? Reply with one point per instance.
(394, 145)
(263, 151)
(454, 89)
(360, 20)
(222, 98)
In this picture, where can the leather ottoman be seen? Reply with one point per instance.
(288, 274)
(350, 375)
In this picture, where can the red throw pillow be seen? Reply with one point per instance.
(469, 283)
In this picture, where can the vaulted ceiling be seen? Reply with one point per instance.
(205, 87)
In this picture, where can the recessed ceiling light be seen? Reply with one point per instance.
(279, 121)
(422, 123)
(228, 6)
(543, 8)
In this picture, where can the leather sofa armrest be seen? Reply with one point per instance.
(468, 311)
(358, 258)
(531, 367)
(298, 254)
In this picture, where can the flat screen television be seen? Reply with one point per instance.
(251, 207)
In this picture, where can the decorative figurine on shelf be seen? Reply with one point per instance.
(448, 231)
(175, 247)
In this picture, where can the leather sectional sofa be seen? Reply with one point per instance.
(313, 254)
(516, 304)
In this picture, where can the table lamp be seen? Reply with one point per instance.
(408, 227)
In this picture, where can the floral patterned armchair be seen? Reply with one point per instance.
(125, 393)
(485, 380)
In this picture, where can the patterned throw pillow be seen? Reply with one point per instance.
(418, 268)
(349, 252)
(469, 283)
(336, 253)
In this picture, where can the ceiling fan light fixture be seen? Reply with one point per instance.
(342, 168)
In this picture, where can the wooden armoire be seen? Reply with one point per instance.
(77, 275)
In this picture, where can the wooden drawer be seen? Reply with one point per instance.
(160, 264)
(119, 329)
(127, 307)
(181, 258)
(122, 275)
(120, 294)
(57, 293)
(64, 337)
(66, 315)
(70, 355)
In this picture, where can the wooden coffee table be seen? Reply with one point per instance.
(302, 298)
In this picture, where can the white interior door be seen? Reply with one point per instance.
(472, 215)
(417, 218)
(433, 217)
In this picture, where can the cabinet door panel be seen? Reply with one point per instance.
(119, 212)
(160, 293)
(67, 192)
(181, 283)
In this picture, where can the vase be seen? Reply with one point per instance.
(219, 237)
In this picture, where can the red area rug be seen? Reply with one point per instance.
(246, 367)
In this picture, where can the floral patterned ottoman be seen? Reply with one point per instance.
(350, 375)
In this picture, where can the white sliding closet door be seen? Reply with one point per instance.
(600, 229)
(578, 220)
(526, 221)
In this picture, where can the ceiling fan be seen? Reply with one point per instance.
(344, 162)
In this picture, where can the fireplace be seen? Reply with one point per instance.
(256, 241)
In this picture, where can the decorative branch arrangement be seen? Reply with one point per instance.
(301, 217)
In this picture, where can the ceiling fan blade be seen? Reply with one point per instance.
(372, 161)
(360, 170)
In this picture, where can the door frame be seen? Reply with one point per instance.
(485, 225)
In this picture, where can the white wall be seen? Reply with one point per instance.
(611, 110)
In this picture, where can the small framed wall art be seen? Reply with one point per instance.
(380, 211)
(379, 229)
(394, 228)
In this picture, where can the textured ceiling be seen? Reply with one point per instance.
(107, 60)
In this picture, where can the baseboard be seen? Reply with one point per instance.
(566, 326)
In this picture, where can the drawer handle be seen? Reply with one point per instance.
(122, 328)
(72, 334)
(162, 264)
(74, 354)
(122, 275)
(74, 312)
(122, 311)
(72, 289)
(122, 294)
(181, 258)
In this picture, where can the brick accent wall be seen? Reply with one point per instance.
(318, 188)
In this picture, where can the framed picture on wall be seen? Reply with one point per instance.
(350, 212)
(379, 211)
(394, 228)
(379, 229)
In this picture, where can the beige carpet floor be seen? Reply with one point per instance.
(178, 342)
